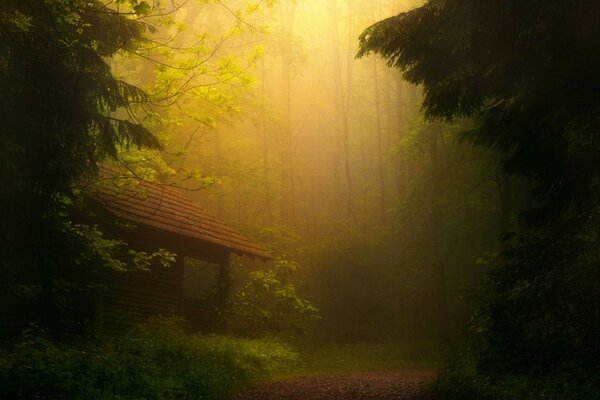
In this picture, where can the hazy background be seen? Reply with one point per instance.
(326, 159)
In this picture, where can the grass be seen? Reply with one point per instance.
(365, 356)
(159, 361)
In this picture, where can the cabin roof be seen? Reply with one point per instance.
(167, 209)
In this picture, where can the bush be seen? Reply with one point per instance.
(268, 305)
(156, 361)
(460, 381)
(540, 305)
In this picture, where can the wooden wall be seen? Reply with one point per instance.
(133, 297)
(136, 296)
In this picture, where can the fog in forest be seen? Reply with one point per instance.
(329, 162)
(202, 198)
(320, 159)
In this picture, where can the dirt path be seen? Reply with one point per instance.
(397, 385)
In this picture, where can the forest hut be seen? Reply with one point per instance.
(151, 216)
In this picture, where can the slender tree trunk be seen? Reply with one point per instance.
(391, 127)
(342, 104)
(365, 184)
(265, 144)
(224, 282)
(505, 197)
(402, 126)
(218, 171)
(379, 134)
(436, 227)
(288, 207)
(351, 214)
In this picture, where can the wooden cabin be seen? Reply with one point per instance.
(154, 216)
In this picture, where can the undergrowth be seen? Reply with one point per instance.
(368, 356)
(460, 380)
(154, 361)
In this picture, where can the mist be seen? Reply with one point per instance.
(330, 162)
(231, 199)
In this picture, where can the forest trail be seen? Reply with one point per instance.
(388, 385)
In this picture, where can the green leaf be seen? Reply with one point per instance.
(143, 8)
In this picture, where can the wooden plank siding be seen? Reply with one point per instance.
(141, 294)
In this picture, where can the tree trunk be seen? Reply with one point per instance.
(379, 134)
(265, 144)
(436, 231)
(342, 104)
(505, 197)
(288, 207)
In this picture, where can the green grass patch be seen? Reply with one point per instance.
(366, 356)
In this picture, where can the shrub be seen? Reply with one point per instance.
(269, 305)
(155, 361)
(540, 304)
(461, 381)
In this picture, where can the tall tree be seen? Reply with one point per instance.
(379, 134)
(526, 73)
(288, 195)
(62, 109)
(525, 70)
(342, 105)
(62, 113)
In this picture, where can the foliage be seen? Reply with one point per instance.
(268, 304)
(525, 70)
(59, 297)
(155, 361)
(59, 99)
(196, 75)
(540, 302)
(111, 253)
(459, 381)
(63, 112)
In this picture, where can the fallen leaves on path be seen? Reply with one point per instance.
(396, 385)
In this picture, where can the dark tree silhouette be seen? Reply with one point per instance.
(525, 70)
(62, 112)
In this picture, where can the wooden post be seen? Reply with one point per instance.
(179, 270)
(223, 281)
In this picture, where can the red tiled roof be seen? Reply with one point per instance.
(163, 207)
